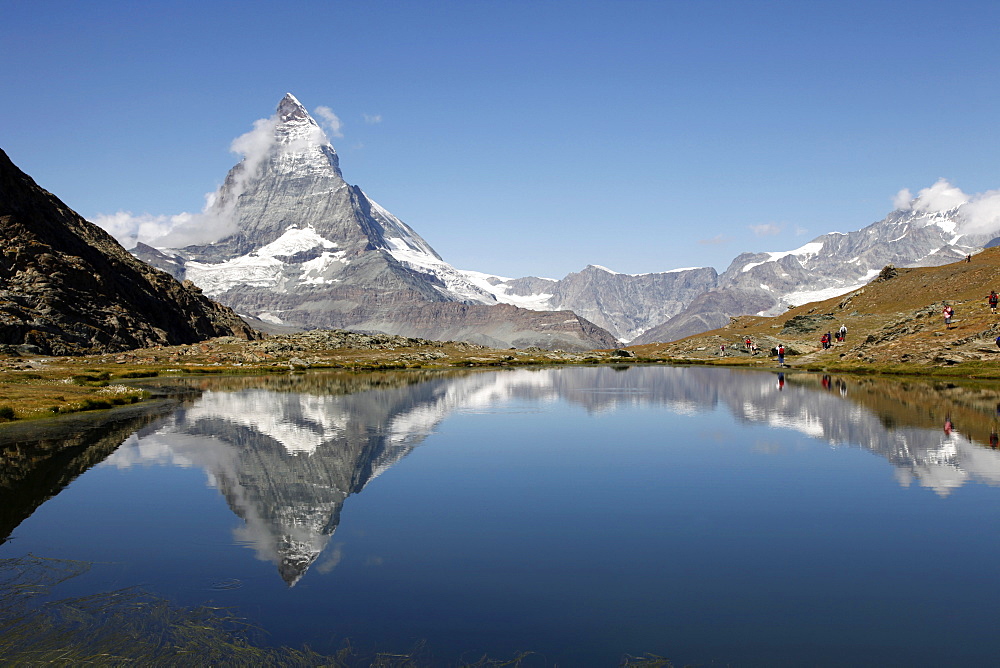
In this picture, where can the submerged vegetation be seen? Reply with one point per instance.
(129, 627)
(122, 627)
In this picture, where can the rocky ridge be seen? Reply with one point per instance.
(627, 305)
(68, 288)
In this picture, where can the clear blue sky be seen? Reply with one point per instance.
(523, 137)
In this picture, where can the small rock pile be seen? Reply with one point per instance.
(331, 339)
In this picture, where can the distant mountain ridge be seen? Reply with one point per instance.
(666, 306)
(627, 305)
(827, 266)
(67, 287)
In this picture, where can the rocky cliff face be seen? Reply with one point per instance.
(836, 263)
(67, 287)
(499, 326)
(309, 250)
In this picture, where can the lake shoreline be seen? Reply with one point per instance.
(36, 387)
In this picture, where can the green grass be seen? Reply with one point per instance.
(139, 374)
(91, 379)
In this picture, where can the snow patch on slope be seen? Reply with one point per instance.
(804, 253)
(263, 267)
(648, 273)
(317, 270)
(499, 288)
(456, 285)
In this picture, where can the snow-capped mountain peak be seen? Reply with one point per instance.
(301, 229)
(298, 144)
(290, 108)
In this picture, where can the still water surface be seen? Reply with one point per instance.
(712, 516)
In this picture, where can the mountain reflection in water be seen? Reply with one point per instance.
(286, 451)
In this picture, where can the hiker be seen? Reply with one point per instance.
(825, 341)
(948, 312)
(998, 346)
(722, 350)
(968, 258)
(747, 343)
(829, 339)
(781, 355)
(843, 332)
(993, 298)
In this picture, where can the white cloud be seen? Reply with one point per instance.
(125, 226)
(903, 200)
(982, 214)
(329, 120)
(765, 229)
(978, 213)
(255, 147)
(334, 558)
(372, 119)
(942, 196)
(176, 231)
(198, 229)
(216, 220)
(718, 239)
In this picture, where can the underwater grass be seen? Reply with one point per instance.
(129, 627)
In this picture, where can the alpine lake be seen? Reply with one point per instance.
(559, 516)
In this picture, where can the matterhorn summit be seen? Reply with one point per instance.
(303, 248)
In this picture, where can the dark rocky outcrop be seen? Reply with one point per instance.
(806, 323)
(68, 288)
